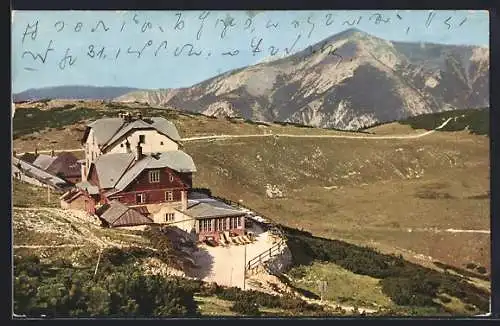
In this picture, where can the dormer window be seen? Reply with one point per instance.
(142, 139)
(154, 176)
(171, 177)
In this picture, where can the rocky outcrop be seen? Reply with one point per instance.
(347, 81)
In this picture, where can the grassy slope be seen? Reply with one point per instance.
(377, 196)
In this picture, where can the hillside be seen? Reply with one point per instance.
(331, 84)
(426, 199)
(80, 92)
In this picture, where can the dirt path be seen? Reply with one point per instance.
(284, 135)
(319, 136)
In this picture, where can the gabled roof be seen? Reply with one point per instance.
(104, 129)
(175, 160)
(66, 164)
(206, 210)
(111, 167)
(39, 174)
(85, 185)
(44, 161)
(109, 130)
(117, 214)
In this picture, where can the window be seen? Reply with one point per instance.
(140, 198)
(121, 145)
(171, 177)
(238, 220)
(142, 139)
(169, 195)
(169, 217)
(161, 143)
(206, 225)
(231, 223)
(154, 176)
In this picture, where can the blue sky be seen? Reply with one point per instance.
(168, 49)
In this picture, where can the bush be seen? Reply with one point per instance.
(471, 266)
(72, 292)
(246, 306)
(482, 270)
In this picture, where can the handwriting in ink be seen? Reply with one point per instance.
(352, 21)
(379, 19)
(118, 53)
(161, 29)
(31, 30)
(67, 60)
(289, 50)
(162, 45)
(248, 24)
(78, 27)
(447, 22)
(179, 25)
(139, 52)
(273, 50)
(463, 21)
(227, 22)
(147, 25)
(312, 26)
(43, 57)
(178, 51)
(92, 53)
(329, 19)
(136, 21)
(399, 17)
(59, 25)
(231, 53)
(295, 23)
(430, 17)
(407, 29)
(202, 17)
(100, 23)
(324, 47)
(255, 46)
(269, 24)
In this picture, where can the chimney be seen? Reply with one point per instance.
(184, 200)
(139, 116)
(138, 152)
(52, 153)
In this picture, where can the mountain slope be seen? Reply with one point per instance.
(72, 92)
(347, 81)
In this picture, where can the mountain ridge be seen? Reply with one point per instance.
(331, 84)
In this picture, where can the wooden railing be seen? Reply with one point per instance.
(269, 253)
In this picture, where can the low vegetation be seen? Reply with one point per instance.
(405, 283)
(27, 195)
(120, 288)
(477, 121)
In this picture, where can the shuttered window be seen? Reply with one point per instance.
(154, 176)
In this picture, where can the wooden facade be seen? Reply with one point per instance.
(167, 188)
